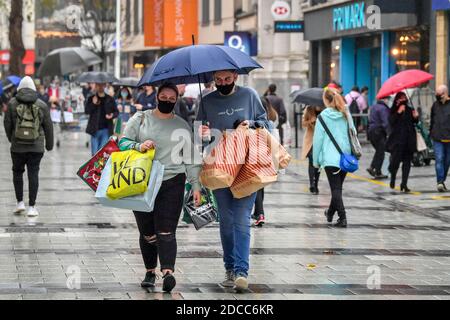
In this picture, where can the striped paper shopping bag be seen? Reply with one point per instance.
(223, 164)
(259, 170)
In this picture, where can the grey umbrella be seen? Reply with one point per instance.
(310, 97)
(127, 82)
(96, 77)
(67, 60)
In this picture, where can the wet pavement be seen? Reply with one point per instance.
(397, 245)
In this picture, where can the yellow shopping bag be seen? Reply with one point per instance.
(130, 173)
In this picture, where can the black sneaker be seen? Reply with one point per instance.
(149, 281)
(169, 282)
(329, 215)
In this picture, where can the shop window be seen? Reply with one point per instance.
(411, 50)
(335, 67)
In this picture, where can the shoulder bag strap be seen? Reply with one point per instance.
(330, 135)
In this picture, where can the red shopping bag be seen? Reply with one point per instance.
(91, 171)
(223, 164)
(259, 169)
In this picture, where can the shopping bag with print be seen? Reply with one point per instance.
(91, 171)
(223, 164)
(259, 170)
(140, 203)
(130, 173)
(202, 215)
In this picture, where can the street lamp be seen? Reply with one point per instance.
(118, 44)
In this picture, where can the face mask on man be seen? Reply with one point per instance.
(166, 107)
(439, 98)
(225, 89)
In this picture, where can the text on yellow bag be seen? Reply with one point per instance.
(130, 173)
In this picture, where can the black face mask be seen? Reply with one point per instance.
(226, 89)
(439, 98)
(166, 107)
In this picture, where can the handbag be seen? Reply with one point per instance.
(354, 142)
(421, 144)
(348, 162)
(203, 215)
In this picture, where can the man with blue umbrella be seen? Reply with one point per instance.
(229, 107)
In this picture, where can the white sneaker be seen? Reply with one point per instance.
(32, 212)
(20, 208)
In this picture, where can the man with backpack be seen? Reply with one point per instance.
(356, 104)
(29, 129)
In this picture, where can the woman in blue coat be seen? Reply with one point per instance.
(327, 157)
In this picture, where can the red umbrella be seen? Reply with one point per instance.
(404, 80)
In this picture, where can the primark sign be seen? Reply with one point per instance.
(351, 18)
(356, 16)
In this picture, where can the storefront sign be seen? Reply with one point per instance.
(289, 26)
(358, 17)
(441, 5)
(170, 23)
(243, 41)
(349, 17)
(281, 10)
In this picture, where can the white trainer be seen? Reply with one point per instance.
(32, 212)
(20, 208)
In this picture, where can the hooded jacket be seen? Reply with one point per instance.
(26, 95)
(325, 153)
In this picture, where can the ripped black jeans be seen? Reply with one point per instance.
(158, 228)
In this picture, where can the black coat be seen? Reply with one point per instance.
(440, 121)
(403, 137)
(97, 114)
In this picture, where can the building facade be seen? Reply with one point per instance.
(363, 43)
(28, 32)
(440, 40)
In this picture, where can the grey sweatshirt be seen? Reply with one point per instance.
(223, 111)
(174, 144)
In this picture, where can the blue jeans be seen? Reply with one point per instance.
(442, 152)
(98, 140)
(235, 217)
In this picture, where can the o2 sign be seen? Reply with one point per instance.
(242, 41)
(281, 10)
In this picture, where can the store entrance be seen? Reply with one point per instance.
(368, 65)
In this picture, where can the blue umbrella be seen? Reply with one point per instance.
(15, 80)
(197, 63)
(1, 88)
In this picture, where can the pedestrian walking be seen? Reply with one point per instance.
(181, 108)
(278, 104)
(402, 142)
(29, 129)
(309, 122)
(356, 104)
(147, 99)
(440, 133)
(222, 109)
(259, 214)
(125, 104)
(325, 155)
(102, 111)
(154, 129)
(379, 130)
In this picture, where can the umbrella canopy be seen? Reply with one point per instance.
(404, 80)
(310, 97)
(97, 77)
(197, 64)
(1, 88)
(67, 60)
(127, 82)
(15, 80)
(10, 82)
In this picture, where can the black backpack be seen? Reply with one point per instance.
(354, 107)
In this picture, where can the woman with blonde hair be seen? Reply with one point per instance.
(325, 154)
